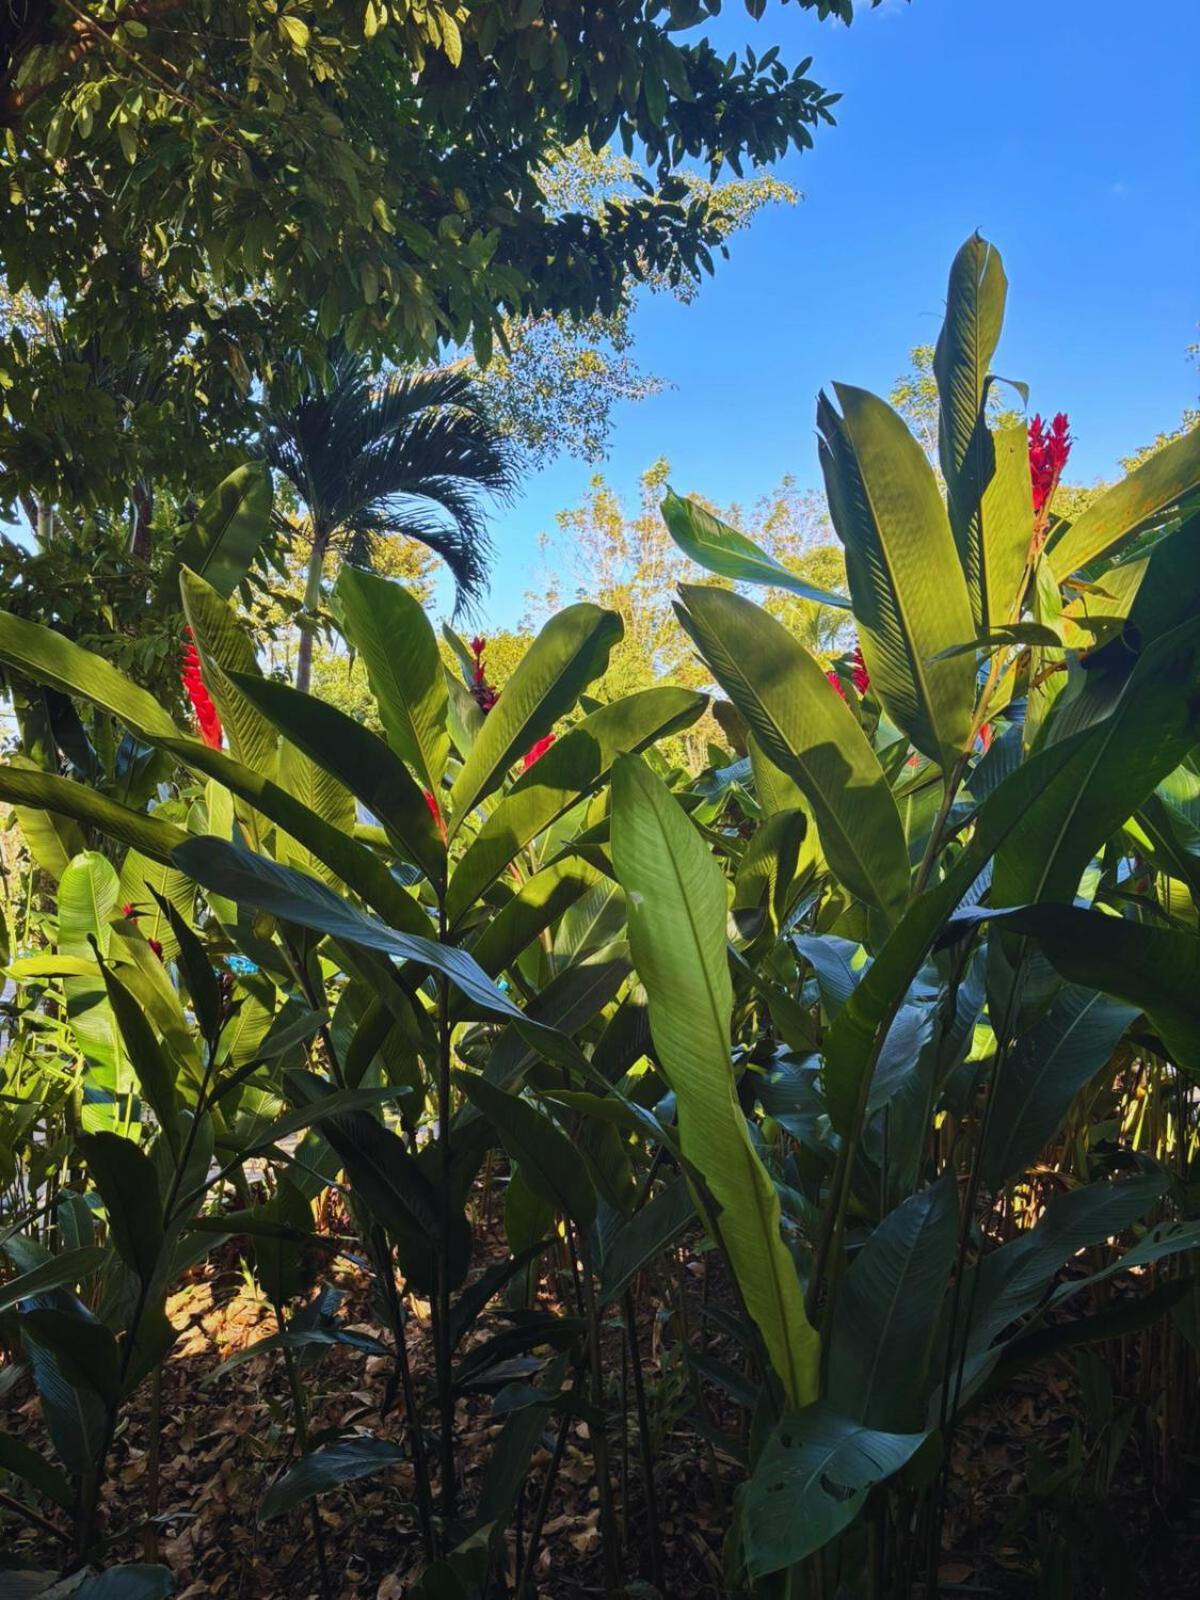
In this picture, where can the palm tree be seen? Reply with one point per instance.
(412, 453)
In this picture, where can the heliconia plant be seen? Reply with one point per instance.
(821, 1006)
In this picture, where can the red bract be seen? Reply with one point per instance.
(485, 695)
(1049, 446)
(201, 701)
(128, 912)
(859, 676)
(435, 811)
(156, 947)
(537, 751)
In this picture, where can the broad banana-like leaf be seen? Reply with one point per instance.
(359, 759)
(1148, 493)
(128, 1186)
(147, 833)
(811, 1481)
(713, 544)
(539, 902)
(675, 892)
(987, 476)
(47, 657)
(574, 766)
(804, 727)
(1117, 762)
(859, 1033)
(151, 1064)
(1013, 1279)
(548, 1160)
(1155, 969)
(222, 543)
(344, 1461)
(1042, 1075)
(68, 1267)
(388, 627)
(888, 1311)
(910, 596)
(322, 795)
(571, 650)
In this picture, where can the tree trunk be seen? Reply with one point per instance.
(143, 510)
(308, 615)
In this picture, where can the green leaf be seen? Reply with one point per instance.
(76, 1418)
(804, 727)
(326, 1468)
(1155, 969)
(987, 476)
(718, 548)
(128, 1186)
(810, 1483)
(575, 766)
(540, 901)
(229, 530)
(675, 893)
(1012, 636)
(910, 595)
(1120, 762)
(548, 1160)
(646, 1234)
(69, 1267)
(151, 885)
(47, 657)
(1147, 494)
(198, 975)
(137, 1581)
(26, 1463)
(888, 1311)
(388, 627)
(1013, 1279)
(383, 1174)
(151, 1064)
(85, 1350)
(571, 650)
(1044, 1072)
(356, 757)
(144, 832)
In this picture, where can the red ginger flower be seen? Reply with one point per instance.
(537, 751)
(156, 947)
(193, 682)
(485, 695)
(859, 676)
(1049, 446)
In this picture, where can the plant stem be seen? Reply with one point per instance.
(301, 1427)
(443, 1349)
(387, 1278)
(645, 1445)
(599, 1432)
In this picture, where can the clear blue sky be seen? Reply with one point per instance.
(1067, 131)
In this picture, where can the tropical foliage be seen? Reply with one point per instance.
(888, 1012)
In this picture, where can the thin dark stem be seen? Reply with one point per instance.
(301, 1426)
(387, 1278)
(645, 1445)
(608, 1521)
(543, 1505)
(443, 1348)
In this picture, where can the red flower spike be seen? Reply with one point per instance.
(836, 681)
(859, 676)
(484, 695)
(1049, 447)
(537, 751)
(156, 947)
(207, 719)
(128, 912)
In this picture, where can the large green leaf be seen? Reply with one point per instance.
(1013, 1279)
(358, 758)
(128, 1185)
(87, 900)
(887, 1312)
(1044, 1072)
(144, 832)
(575, 766)
(344, 1461)
(322, 795)
(811, 1481)
(646, 1234)
(1155, 969)
(910, 595)
(1119, 761)
(46, 657)
(222, 543)
(28, 1464)
(540, 901)
(388, 627)
(987, 477)
(151, 885)
(355, 864)
(804, 727)
(149, 1058)
(570, 651)
(69, 1267)
(859, 1033)
(675, 893)
(85, 1349)
(549, 1161)
(1146, 494)
(713, 544)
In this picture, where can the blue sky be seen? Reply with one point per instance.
(1067, 131)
